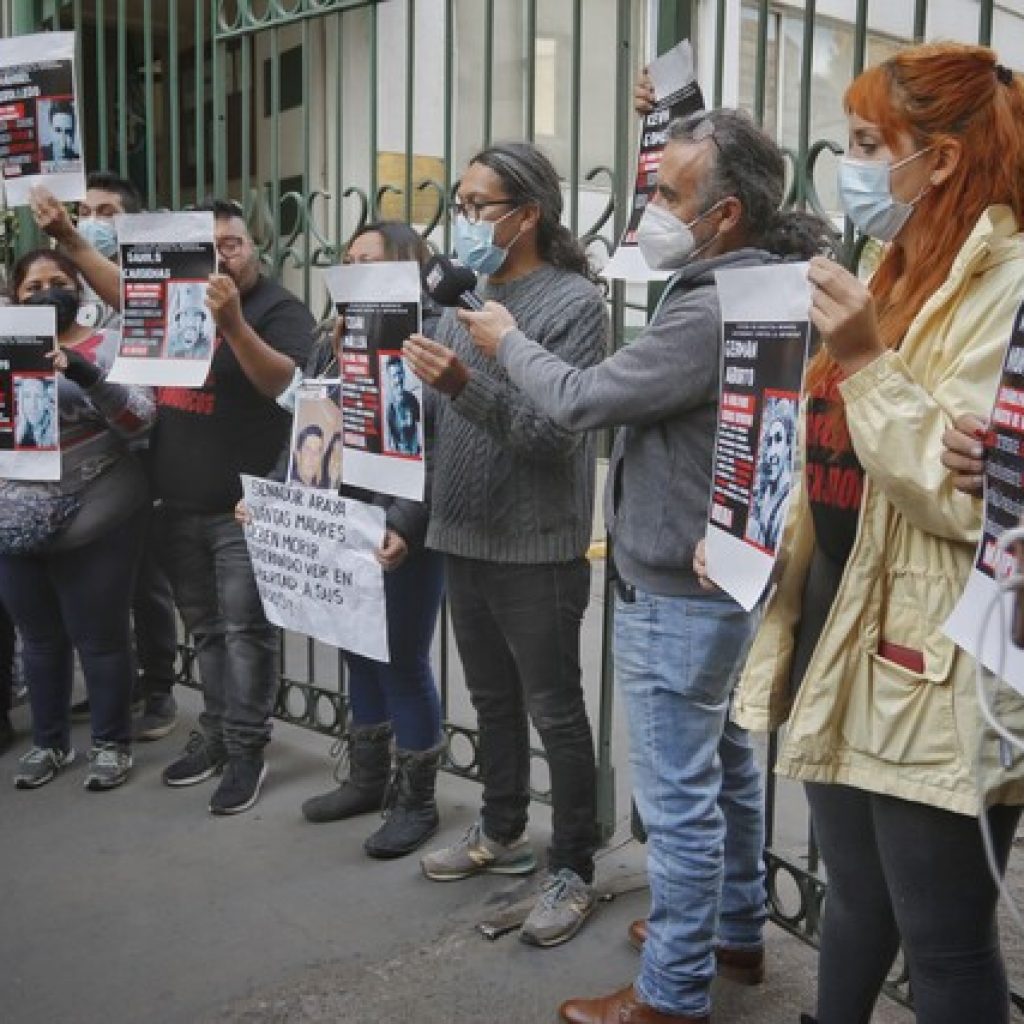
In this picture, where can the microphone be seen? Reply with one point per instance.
(449, 284)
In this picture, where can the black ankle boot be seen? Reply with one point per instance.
(410, 813)
(806, 1019)
(369, 762)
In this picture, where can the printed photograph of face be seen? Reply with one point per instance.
(190, 327)
(316, 450)
(772, 477)
(57, 122)
(35, 412)
(401, 394)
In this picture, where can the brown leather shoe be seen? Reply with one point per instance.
(744, 966)
(620, 1008)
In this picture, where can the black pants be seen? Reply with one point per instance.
(77, 600)
(518, 632)
(156, 627)
(6, 662)
(904, 871)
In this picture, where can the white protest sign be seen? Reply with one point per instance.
(765, 331)
(312, 554)
(40, 119)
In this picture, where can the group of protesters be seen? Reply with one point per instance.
(847, 649)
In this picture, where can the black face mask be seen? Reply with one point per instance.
(63, 300)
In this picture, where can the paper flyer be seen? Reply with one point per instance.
(381, 398)
(29, 420)
(765, 334)
(313, 557)
(167, 331)
(1004, 509)
(676, 93)
(316, 448)
(40, 119)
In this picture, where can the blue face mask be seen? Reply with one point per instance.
(866, 195)
(474, 244)
(100, 234)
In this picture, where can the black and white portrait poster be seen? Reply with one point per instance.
(1004, 510)
(316, 450)
(40, 119)
(167, 331)
(765, 333)
(381, 398)
(29, 420)
(676, 94)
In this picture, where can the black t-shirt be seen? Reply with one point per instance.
(205, 437)
(834, 476)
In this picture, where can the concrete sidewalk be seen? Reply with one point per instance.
(138, 905)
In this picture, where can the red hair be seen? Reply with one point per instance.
(935, 93)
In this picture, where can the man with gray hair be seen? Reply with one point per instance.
(677, 648)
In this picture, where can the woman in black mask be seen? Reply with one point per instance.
(69, 548)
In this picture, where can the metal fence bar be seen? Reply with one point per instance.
(199, 11)
(122, 89)
(173, 103)
(574, 116)
(985, 11)
(761, 61)
(410, 92)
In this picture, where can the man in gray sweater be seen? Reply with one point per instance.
(511, 508)
(677, 648)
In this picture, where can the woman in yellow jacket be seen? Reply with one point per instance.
(883, 724)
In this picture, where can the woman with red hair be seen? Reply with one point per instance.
(883, 722)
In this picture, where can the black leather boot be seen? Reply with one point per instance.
(369, 762)
(410, 813)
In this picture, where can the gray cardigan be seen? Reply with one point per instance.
(511, 485)
(662, 390)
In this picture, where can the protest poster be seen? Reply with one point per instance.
(40, 121)
(29, 420)
(676, 94)
(765, 334)
(312, 555)
(316, 451)
(167, 330)
(978, 607)
(381, 398)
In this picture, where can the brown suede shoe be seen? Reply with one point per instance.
(744, 966)
(620, 1008)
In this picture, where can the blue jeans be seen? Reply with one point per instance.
(237, 649)
(79, 599)
(402, 691)
(697, 789)
(518, 632)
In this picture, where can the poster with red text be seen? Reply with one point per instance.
(765, 334)
(381, 398)
(676, 94)
(40, 117)
(1004, 510)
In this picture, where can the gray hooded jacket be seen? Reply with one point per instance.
(662, 390)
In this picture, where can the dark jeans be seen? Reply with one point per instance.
(403, 690)
(77, 600)
(6, 661)
(518, 632)
(904, 871)
(156, 628)
(237, 649)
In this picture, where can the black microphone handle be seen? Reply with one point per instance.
(471, 301)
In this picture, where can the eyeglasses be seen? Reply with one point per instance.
(473, 211)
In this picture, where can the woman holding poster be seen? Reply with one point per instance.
(883, 724)
(68, 549)
(395, 702)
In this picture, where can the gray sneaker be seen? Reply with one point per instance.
(159, 717)
(475, 854)
(40, 765)
(109, 766)
(565, 902)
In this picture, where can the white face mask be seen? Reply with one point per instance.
(666, 242)
(866, 195)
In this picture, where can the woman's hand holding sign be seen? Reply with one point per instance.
(964, 453)
(843, 311)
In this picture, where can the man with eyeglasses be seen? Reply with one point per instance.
(677, 648)
(203, 440)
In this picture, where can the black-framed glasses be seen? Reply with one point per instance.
(472, 211)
